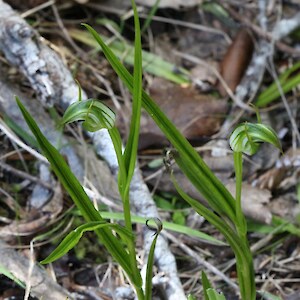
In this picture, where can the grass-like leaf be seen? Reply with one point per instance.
(268, 296)
(209, 292)
(206, 285)
(152, 63)
(11, 276)
(243, 255)
(216, 194)
(130, 152)
(214, 295)
(150, 262)
(80, 198)
(198, 172)
(71, 240)
(287, 82)
(167, 226)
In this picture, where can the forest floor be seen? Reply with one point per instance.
(204, 64)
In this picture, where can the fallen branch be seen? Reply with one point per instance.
(42, 286)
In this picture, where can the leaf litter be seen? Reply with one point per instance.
(268, 189)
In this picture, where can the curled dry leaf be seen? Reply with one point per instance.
(254, 202)
(236, 60)
(196, 115)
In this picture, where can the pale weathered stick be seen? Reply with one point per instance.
(53, 82)
(42, 286)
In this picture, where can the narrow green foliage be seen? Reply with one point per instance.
(246, 137)
(133, 138)
(268, 296)
(238, 244)
(28, 138)
(71, 240)
(206, 285)
(150, 16)
(199, 173)
(95, 114)
(11, 276)
(287, 80)
(241, 220)
(150, 262)
(210, 216)
(80, 198)
(279, 225)
(217, 196)
(215, 9)
(109, 24)
(152, 63)
(168, 226)
(214, 295)
(205, 185)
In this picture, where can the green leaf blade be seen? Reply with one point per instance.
(150, 262)
(71, 240)
(287, 83)
(133, 138)
(80, 198)
(206, 285)
(214, 295)
(186, 151)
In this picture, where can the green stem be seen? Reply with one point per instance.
(139, 293)
(245, 270)
(244, 263)
(124, 193)
(241, 221)
(238, 244)
(128, 225)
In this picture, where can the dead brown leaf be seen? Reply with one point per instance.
(236, 60)
(254, 202)
(195, 115)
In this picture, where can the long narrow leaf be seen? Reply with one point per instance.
(80, 198)
(133, 138)
(214, 295)
(206, 285)
(71, 240)
(207, 183)
(243, 255)
(211, 217)
(152, 63)
(168, 226)
(150, 262)
(288, 83)
(11, 276)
